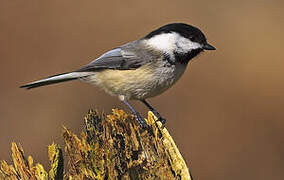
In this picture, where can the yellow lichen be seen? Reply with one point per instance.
(111, 147)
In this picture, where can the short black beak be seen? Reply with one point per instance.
(208, 47)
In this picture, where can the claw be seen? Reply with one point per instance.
(142, 122)
(162, 120)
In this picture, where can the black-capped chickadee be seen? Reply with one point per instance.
(140, 69)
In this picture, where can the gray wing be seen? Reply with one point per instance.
(129, 56)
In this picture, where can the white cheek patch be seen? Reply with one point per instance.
(171, 42)
(185, 45)
(163, 42)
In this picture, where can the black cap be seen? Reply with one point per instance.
(185, 30)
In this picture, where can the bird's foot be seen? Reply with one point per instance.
(142, 122)
(160, 118)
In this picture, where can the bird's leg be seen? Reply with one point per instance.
(160, 118)
(140, 120)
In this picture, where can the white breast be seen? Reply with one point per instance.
(166, 76)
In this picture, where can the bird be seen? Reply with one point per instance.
(140, 69)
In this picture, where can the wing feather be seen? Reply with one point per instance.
(125, 57)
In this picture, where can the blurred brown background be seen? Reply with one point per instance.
(225, 114)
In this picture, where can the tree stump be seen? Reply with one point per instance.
(111, 147)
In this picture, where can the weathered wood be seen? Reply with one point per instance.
(111, 147)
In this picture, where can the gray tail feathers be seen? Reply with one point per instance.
(57, 79)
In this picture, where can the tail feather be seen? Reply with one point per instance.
(56, 79)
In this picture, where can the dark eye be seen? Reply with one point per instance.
(192, 38)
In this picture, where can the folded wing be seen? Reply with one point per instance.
(122, 58)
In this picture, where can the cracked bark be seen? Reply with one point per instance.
(111, 147)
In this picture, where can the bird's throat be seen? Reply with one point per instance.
(184, 58)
